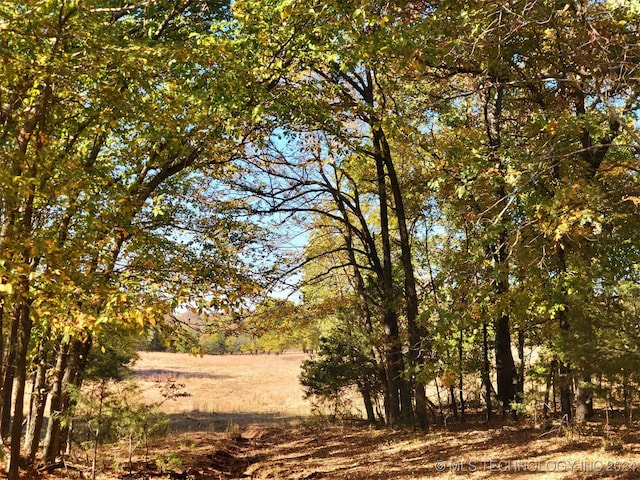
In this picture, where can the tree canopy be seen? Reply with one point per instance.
(466, 174)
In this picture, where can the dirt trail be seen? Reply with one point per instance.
(227, 428)
(356, 452)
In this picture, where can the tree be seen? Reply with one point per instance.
(106, 122)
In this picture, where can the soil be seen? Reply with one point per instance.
(355, 451)
(245, 417)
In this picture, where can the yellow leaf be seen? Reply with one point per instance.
(139, 317)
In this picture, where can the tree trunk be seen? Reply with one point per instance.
(51, 445)
(486, 366)
(9, 364)
(416, 336)
(25, 322)
(368, 404)
(362, 298)
(564, 368)
(548, 389)
(521, 366)
(584, 399)
(460, 378)
(38, 402)
(505, 366)
(394, 366)
(628, 402)
(20, 383)
(393, 347)
(452, 397)
(73, 376)
(2, 350)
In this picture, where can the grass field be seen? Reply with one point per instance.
(244, 416)
(225, 390)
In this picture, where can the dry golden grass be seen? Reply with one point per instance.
(238, 423)
(252, 392)
(224, 390)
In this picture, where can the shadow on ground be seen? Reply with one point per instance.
(227, 422)
(160, 374)
(251, 445)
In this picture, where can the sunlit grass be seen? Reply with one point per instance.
(252, 384)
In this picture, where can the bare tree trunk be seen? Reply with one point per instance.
(564, 368)
(368, 403)
(628, 400)
(51, 445)
(20, 383)
(440, 409)
(460, 378)
(486, 367)
(505, 366)
(452, 397)
(74, 376)
(584, 399)
(38, 402)
(25, 325)
(9, 364)
(416, 336)
(548, 389)
(521, 366)
(4, 365)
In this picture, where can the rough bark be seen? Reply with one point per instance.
(486, 370)
(37, 404)
(416, 335)
(51, 445)
(8, 376)
(584, 399)
(20, 382)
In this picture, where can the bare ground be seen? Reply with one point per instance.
(355, 452)
(267, 433)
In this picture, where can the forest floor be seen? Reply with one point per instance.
(244, 417)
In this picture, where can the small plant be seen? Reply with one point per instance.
(339, 367)
(110, 412)
(169, 462)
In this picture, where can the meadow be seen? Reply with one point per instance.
(223, 391)
(245, 416)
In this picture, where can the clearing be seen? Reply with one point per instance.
(243, 416)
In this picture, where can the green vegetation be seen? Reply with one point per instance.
(465, 175)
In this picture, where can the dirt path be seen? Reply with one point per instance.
(241, 418)
(357, 452)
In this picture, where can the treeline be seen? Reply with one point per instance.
(271, 326)
(466, 173)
